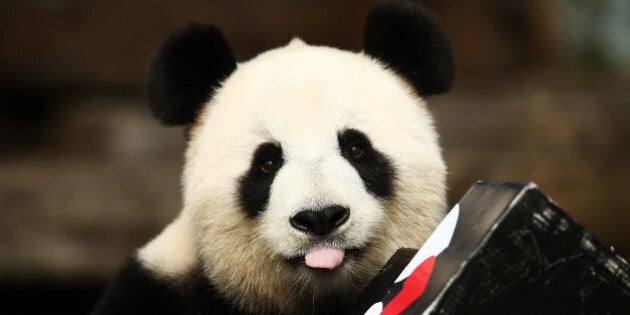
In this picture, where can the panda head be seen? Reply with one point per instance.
(307, 166)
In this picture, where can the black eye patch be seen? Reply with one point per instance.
(373, 167)
(255, 185)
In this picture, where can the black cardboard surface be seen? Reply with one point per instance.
(513, 251)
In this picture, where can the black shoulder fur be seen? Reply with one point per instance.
(137, 290)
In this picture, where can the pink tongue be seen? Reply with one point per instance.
(325, 257)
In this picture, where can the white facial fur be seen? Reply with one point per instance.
(301, 97)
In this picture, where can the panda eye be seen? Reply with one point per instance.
(267, 158)
(268, 166)
(355, 151)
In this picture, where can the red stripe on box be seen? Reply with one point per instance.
(412, 289)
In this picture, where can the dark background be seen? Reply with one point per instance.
(86, 176)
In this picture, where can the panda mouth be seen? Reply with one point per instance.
(326, 258)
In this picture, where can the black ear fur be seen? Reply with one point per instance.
(191, 63)
(410, 40)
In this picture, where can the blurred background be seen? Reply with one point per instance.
(86, 176)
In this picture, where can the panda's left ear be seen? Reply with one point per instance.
(186, 70)
(408, 39)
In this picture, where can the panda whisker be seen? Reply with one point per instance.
(349, 281)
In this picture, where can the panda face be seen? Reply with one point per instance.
(326, 154)
(326, 198)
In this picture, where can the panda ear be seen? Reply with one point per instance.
(186, 70)
(408, 39)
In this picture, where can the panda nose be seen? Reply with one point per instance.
(320, 222)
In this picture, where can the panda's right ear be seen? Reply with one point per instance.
(188, 67)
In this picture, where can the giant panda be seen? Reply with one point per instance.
(306, 168)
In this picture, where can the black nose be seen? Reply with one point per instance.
(321, 221)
